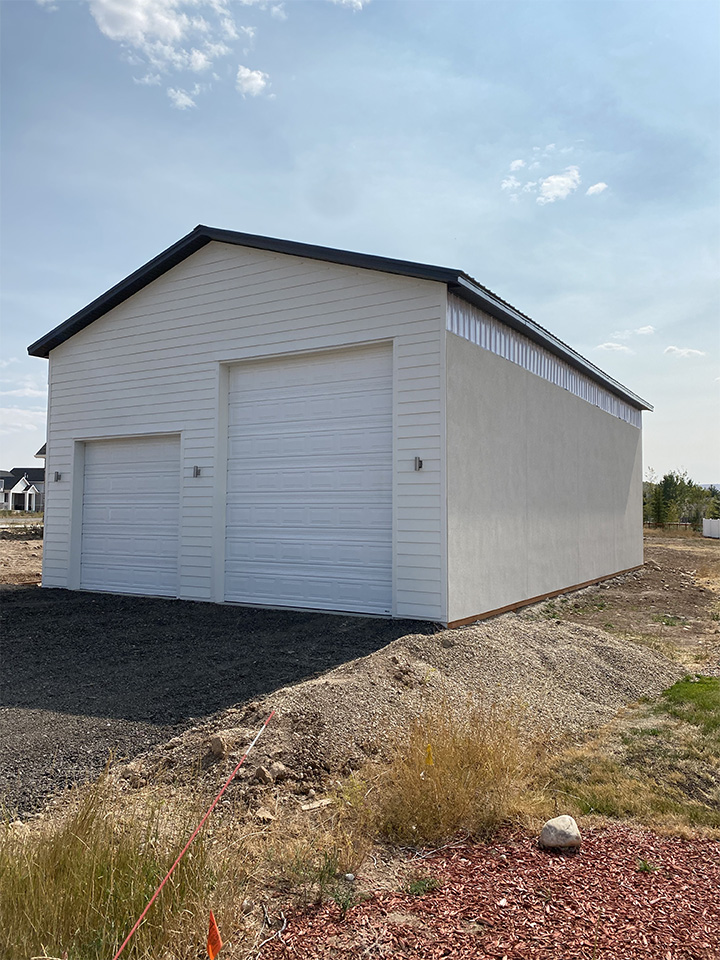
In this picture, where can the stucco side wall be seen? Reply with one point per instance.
(544, 490)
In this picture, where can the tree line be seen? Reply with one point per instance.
(675, 498)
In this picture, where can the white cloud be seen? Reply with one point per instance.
(199, 61)
(25, 385)
(595, 189)
(251, 82)
(6, 363)
(141, 21)
(19, 420)
(517, 165)
(614, 347)
(684, 352)
(23, 392)
(161, 37)
(511, 183)
(559, 185)
(639, 332)
(218, 49)
(228, 28)
(149, 80)
(181, 99)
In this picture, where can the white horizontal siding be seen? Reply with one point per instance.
(152, 366)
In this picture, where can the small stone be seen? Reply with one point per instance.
(560, 833)
(218, 747)
(350, 877)
(262, 813)
(448, 642)
(263, 775)
(278, 771)
(247, 906)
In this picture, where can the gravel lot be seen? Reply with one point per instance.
(88, 675)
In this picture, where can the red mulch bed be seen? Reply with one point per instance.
(510, 899)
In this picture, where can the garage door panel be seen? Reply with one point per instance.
(310, 443)
(309, 485)
(122, 514)
(131, 497)
(250, 520)
(116, 578)
(118, 542)
(296, 482)
(120, 486)
(294, 412)
(298, 591)
(309, 551)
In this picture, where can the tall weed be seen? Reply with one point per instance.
(459, 771)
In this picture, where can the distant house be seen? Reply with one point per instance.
(258, 421)
(22, 488)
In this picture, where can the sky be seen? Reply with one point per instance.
(565, 155)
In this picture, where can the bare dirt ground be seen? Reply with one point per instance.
(155, 681)
(20, 561)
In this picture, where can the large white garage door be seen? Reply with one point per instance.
(309, 501)
(131, 497)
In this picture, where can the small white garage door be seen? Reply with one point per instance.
(309, 501)
(131, 497)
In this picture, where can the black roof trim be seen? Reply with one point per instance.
(459, 283)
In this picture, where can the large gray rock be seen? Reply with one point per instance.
(560, 833)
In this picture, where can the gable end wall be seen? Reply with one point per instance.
(157, 364)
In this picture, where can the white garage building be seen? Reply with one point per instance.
(265, 422)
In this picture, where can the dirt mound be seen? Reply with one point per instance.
(568, 678)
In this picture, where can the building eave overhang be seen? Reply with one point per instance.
(457, 282)
(471, 291)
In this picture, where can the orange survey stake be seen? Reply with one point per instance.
(214, 941)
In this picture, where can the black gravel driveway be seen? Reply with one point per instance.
(87, 675)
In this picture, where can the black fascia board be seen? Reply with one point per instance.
(202, 235)
(457, 282)
(121, 291)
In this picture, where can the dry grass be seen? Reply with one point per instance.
(709, 569)
(676, 533)
(78, 885)
(459, 771)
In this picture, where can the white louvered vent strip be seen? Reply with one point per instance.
(473, 324)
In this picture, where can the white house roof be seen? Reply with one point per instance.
(458, 282)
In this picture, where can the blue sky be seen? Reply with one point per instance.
(563, 154)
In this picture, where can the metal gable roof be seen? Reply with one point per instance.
(458, 282)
